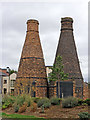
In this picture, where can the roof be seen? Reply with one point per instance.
(3, 74)
(3, 70)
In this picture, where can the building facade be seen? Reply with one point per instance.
(4, 81)
(12, 82)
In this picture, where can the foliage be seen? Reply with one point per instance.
(6, 105)
(22, 108)
(55, 101)
(88, 85)
(7, 101)
(69, 102)
(42, 101)
(87, 101)
(12, 71)
(80, 101)
(57, 71)
(42, 108)
(85, 104)
(84, 115)
(35, 99)
(33, 107)
(47, 104)
(20, 100)
(8, 98)
(16, 108)
(28, 100)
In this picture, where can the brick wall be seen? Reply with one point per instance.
(31, 77)
(67, 50)
(85, 91)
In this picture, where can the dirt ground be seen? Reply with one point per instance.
(53, 112)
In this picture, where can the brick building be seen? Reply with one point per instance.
(31, 77)
(67, 50)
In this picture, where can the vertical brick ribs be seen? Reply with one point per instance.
(31, 77)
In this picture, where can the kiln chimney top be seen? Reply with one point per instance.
(66, 23)
(32, 25)
(32, 21)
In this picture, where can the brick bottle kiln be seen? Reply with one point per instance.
(67, 49)
(31, 77)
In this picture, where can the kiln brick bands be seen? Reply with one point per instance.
(31, 77)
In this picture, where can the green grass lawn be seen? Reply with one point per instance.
(4, 115)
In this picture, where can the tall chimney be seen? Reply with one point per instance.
(31, 77)
(67, 49)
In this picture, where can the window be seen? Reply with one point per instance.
(12, 83)
(5, 90)
(5, 81)
(12, 91)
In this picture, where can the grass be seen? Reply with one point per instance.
(4, 115)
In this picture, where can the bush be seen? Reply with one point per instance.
(33, 107)
(42, 108)
(35, 99)
(16, 108)
(47, 105)
(42, 101)
(84, 115)
(7, 101)
(85, 104)
(20, 100)
(80, 101)
(28, 100)
(55, 101)
(69, 102)
(87, 101)
(22, 109)
(6, 105)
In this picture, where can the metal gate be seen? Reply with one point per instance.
(65, 90)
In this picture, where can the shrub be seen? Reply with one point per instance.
(22, 109)
(69, 102)
(42, 101)
(33, 107)
(35, 99)
(87, 101)
(85, 104)
(80, 101)
(28, 100)
(6, 105)
(42, 108)
(84, 115)
(20, 100)
(55, 101)
(16, 108)
(7, 101)
(47, 105)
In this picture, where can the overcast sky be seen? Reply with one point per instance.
(14, 16)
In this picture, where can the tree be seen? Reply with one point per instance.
(57, 73)
(12, 71)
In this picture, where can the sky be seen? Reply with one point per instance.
(13, 18)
